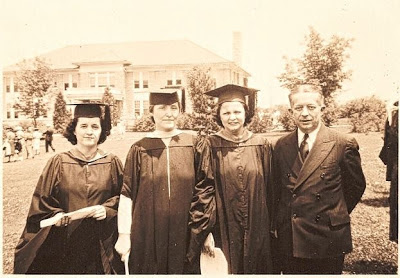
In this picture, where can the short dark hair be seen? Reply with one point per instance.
(70, 129)
(248, 115)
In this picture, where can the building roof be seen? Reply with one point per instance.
(141, 53)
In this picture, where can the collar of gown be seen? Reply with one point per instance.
(78, 155)
(160, 134)
(247, 134)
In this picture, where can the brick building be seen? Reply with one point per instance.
(131, 70)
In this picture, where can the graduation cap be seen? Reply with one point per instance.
(166, 97)
(232, 92)
(93, 110)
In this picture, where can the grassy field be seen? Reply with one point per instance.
(373, 252)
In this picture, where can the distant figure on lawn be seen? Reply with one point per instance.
(390, 157)
(82, 177)
(319, 182)
(37, 135)
(49, 138)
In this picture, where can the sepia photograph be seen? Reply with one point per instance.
(200, 137)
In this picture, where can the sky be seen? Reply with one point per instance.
(270, 30)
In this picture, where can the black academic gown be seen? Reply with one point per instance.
(68, 183)
(243, 196)
(160, 180)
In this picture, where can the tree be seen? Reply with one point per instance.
(61, 115)
(34, 81)
(114, 109)
(261, 121)
(322, 64)
(365, 114)
(199, 81)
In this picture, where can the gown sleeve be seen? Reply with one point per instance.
(203, 208)
(44, 205)
(269, 180)
(111, 204)
(131, 174)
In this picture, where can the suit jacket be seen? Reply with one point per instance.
(315, 197)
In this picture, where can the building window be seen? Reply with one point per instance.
(111, 80)
(146, 107)
(74, 85)
(178, 82)
(136, 84)
(8, 114)
(66, 86)
(245, 82)
(16, 89)
(16, 115)
(7, 83)
(145, 84)
(169, 82)
(102, 80)
(92, 80)
(137, 108)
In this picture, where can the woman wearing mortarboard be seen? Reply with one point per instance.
(85, 176)
(159, 179)
(240, 162)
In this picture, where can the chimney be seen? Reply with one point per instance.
(237, 48)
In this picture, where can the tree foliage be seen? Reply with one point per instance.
(261, 121)
(144, 124)
(199, 81)
(61, 115)
(365, 114)
(285, 118)
(114, 109)
(321, 64)
(34, 81)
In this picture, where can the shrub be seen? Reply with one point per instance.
(185, 121)
(260, 123)
(365, 114)
(330, 114)
(144, 124)
(285, 118)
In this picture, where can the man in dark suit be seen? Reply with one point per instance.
(319, 181)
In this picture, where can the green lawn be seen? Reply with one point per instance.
(373, 252)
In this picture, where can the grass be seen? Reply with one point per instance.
(373, 252)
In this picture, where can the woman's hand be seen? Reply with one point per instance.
(209, 245)
(123, 245)
(64, 221)
(99, 213)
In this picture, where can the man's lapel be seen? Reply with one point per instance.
(291, 154)
(321, 148)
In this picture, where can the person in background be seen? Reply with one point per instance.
(241, 195)
(390, 157)
(10, 135)
(159, 179)
(85, 176)
(18, 143)
(28, 137)
(7, 149)
(37, 135)
(48, 139)
(319, 182)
